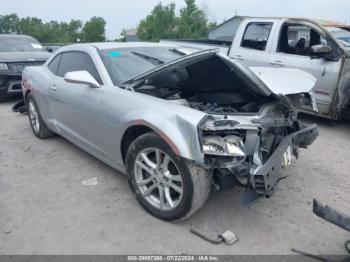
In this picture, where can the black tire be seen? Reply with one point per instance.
(196, 181)
(43, 131)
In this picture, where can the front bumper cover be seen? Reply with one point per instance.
(10, 84)
(265, 177)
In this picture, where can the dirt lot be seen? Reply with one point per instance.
(45, 208)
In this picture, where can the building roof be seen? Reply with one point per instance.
(131, 32)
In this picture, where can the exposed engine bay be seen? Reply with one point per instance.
(209, 85)
(250, 157)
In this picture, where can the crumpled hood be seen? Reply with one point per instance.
(24, 56)
(285, 81)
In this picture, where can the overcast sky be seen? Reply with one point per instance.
(126, 14)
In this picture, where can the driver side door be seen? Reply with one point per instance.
(76, 107)
(292, 50)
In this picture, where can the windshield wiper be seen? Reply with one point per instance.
(149, 58)
(177, 51)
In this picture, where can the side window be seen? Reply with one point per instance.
(256, 36)
(77, 61)
(297, 39)
(53, 65)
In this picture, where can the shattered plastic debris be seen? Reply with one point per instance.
(229, 237)
(90, 182)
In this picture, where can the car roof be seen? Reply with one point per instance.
(15, 36)
(116, 45)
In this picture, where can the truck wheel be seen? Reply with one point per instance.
(37, 124)
(165, 184)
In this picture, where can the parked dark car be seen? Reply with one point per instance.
(17, 52)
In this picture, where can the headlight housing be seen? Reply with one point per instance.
(3, 66)
(230, 145)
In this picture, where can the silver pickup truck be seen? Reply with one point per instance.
(319, 47)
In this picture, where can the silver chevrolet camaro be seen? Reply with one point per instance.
(177, 122)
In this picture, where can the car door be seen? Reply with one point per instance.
(292, 50)
(253, 41)
(75, 107)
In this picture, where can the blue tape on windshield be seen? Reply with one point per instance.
(114, 54)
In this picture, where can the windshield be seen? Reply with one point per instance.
(19, 43)
(342, 35)
(124, 64)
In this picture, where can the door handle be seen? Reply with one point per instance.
(53, 87)
(278, 63)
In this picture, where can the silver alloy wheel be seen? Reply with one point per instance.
(34, 117)
(158, 179)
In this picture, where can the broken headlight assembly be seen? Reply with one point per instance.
(230, 145)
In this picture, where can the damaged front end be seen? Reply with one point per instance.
(250, 131)
(251, 151)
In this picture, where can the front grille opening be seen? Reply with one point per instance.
(19, 67)
(16, 87)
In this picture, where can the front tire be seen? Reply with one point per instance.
(37, 124)
(166, 185)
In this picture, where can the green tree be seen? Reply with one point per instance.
(74, 30)
(193, 22)
(34, 27)
(161, 23)
(212, 25)
(122, 36)
(94, 30)
(9, 24)
(53, 31)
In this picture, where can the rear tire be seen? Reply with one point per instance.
(180, 188)
(37, 124)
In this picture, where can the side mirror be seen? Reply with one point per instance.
(49, 49)
(81, 77)
(320, 51)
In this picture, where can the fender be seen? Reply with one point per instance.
(183, 141)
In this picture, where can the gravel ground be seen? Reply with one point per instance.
(45, 208)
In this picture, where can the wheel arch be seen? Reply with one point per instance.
(132, 133)
(139, 128)
(180, 142)
(26, 95)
